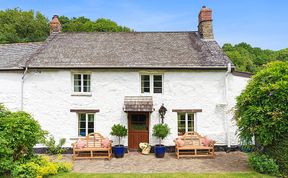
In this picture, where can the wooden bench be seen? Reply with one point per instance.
(93, 148)
(193, 146)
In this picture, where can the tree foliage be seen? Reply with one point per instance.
(119, 131)
(161, 131)
(262, 108)
(17, 26)
(83, 24)
(22, 26)
(249, 59)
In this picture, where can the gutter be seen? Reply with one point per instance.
(227, 122)
(22, 87)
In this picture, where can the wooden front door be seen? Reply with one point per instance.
(138, 129)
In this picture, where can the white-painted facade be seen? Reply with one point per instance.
(48, 97)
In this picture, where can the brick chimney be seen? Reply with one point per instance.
(55, 25)
(205, 28)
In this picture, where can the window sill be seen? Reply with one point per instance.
(75, 138)
(81, 94)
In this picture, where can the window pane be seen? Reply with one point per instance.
(86, 83)
(157, 82)
(82, 125)
(190, 122)
(77, 82)
(181, 123)
(82, 132)
(82, 117)
(138, 122)
(90, 131)
(77, 76)
(145, 84)
(90, 117)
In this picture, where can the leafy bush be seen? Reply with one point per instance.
(161, 131)
(52, 147)
(119, 131)
(261, 108)
(40, 166)
(279, 152)
(19, 133)
(26, 170)
(263, 164)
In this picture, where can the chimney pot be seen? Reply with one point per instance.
(205, 28)
(55, 25)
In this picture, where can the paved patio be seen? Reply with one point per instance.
(135, 162)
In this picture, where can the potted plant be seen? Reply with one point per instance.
(160, 131)
(119, 131)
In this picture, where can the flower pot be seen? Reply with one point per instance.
(159, 151)
(119, 151)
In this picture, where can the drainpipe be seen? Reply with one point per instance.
(226, 108)
(22, 87)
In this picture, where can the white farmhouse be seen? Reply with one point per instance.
(77, 83)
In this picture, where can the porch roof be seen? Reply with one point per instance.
(138, 104)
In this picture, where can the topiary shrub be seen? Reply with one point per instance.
(263, 164)
(119, 131)
(161, 131)
(261, 109)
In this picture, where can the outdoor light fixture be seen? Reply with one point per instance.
(162, 112)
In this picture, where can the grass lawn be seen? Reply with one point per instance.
(165, 175)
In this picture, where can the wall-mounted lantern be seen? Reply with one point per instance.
(162, 112)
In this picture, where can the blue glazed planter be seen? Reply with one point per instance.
(159, 151)
(119, 151)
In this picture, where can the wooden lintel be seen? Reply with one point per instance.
(85, 110)
(187, 110)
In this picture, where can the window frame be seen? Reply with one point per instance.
(82, 92)
(86, 123)
(186, 121)
(151, 83)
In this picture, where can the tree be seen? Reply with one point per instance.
(22, 26)
(262, 107)
(26, 26)
(83, 24)
(250, 59)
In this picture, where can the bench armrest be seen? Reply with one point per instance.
(212, 143)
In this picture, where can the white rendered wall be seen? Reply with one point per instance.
(10, 89)
(48, 97)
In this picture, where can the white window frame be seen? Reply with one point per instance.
(86, 123)
(186, 120)
(82, 84)
(151, 80)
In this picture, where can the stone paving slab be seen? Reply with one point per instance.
(135, 162)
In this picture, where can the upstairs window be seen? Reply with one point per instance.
(82, 83)
(185, 123)
(85, 124)
(151, 83)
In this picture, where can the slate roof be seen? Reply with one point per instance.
(119, 50)
(12, 55)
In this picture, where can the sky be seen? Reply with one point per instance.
(261, 23)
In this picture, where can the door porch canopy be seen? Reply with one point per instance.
(138, 104)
